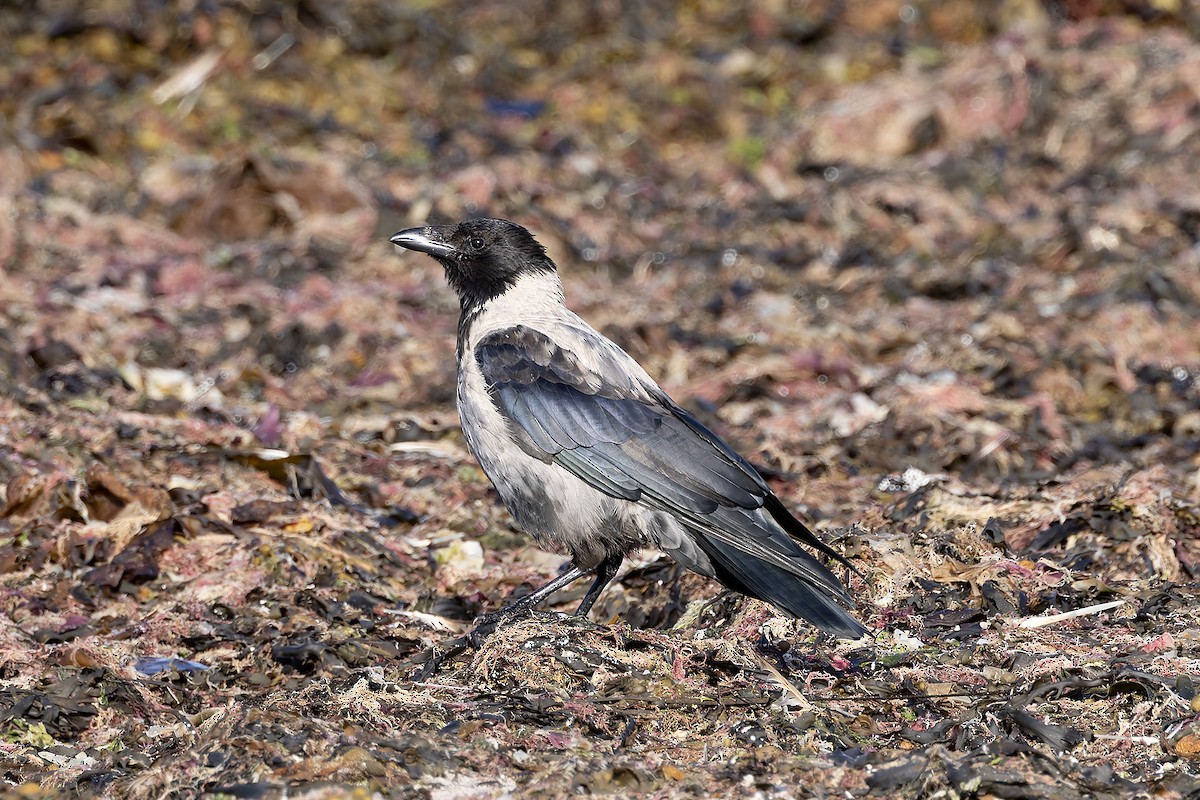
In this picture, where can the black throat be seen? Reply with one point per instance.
(475, 286)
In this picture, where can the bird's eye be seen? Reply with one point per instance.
(476, 243)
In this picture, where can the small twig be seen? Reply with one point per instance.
(909, 696)
(446, 686)
(435, 621)
(790, 687)
(670, 702)
(1040, 622)
(1117, 737)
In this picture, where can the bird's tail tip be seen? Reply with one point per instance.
(811, 594)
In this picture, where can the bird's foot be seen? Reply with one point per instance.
(435, 660)
(486, 625)
(473, 639)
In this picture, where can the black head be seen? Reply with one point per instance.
(483, 258)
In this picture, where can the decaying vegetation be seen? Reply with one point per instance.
(936, 263)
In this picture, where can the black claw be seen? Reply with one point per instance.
(488, 624)
(438, 660)
(479, 634)
(485, 626)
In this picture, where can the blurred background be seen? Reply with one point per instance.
(197, 193)
(751, 200)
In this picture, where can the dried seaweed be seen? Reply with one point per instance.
(930, 267)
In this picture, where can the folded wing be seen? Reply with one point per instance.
(629, 440)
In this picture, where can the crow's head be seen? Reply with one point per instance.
(483, 258)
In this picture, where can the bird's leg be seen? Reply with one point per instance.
(487, 624)
(605, 572)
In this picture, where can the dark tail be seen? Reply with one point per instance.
(798, 530)
(815, 597)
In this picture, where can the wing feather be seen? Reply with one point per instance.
(607, 433)
(628, 439)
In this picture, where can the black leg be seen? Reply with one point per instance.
(486, 625)
(604, 575)
(518, 607)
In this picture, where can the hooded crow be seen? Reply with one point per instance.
(590, 455)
